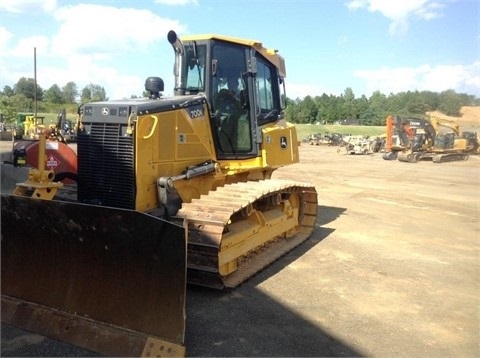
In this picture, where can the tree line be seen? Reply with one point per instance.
(22, 97)
(329, 109)
(324, 109)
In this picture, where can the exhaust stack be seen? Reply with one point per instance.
(179, 49)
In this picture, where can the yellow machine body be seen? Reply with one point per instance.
(186, 142)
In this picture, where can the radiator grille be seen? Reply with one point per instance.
(106, 167)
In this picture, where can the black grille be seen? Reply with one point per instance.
(106, 166)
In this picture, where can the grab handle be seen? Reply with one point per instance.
(155, 120)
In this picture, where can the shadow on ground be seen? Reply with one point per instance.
(246, 321)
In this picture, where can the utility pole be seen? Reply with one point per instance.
(35, 83)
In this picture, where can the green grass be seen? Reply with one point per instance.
(304, 130)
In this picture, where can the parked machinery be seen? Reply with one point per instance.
(360, 144)
(414, 139)
(450, 142)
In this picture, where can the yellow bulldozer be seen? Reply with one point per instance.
(169, 191)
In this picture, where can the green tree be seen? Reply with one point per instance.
(7, 91)
(26, 86)
(374, 110)
(11, 105)
(54, 95)
(328, 109)
(86, 95)
(93, 93)
(450, 103)
(469, 100)
(291, 112)
(7, 109)
(70, 92)
(377, 109)
(430, 99)
(349, 104)
(307, 110)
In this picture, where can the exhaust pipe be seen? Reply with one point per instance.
(179, 49)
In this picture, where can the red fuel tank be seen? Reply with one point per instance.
(59, 156)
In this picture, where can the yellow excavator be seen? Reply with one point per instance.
(432, 138)
(450, 142)
(169, 191)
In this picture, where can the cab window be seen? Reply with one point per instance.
(266, 84)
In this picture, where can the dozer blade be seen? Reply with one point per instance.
(108, 280)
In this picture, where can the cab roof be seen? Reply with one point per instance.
(269, 53)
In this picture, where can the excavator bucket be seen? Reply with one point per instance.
(109, 280)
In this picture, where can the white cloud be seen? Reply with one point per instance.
(176, 2)
(25, 47)
(26, 6)
(5, 37)
(400, 12)
(90, 45)
(109, 31)
(91, 54)
(461, 78)
(22, 55)
(113, 34)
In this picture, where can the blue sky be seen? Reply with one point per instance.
(329, 45)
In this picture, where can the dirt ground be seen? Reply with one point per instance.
(391, 270)
(469, 119)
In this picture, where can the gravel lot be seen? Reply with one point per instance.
(392, 270)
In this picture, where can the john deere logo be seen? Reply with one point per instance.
(283, 142)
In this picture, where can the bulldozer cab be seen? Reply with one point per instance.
(242, 82)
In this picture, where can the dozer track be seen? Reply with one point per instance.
(238, 229)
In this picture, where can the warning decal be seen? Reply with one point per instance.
(52, 162)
